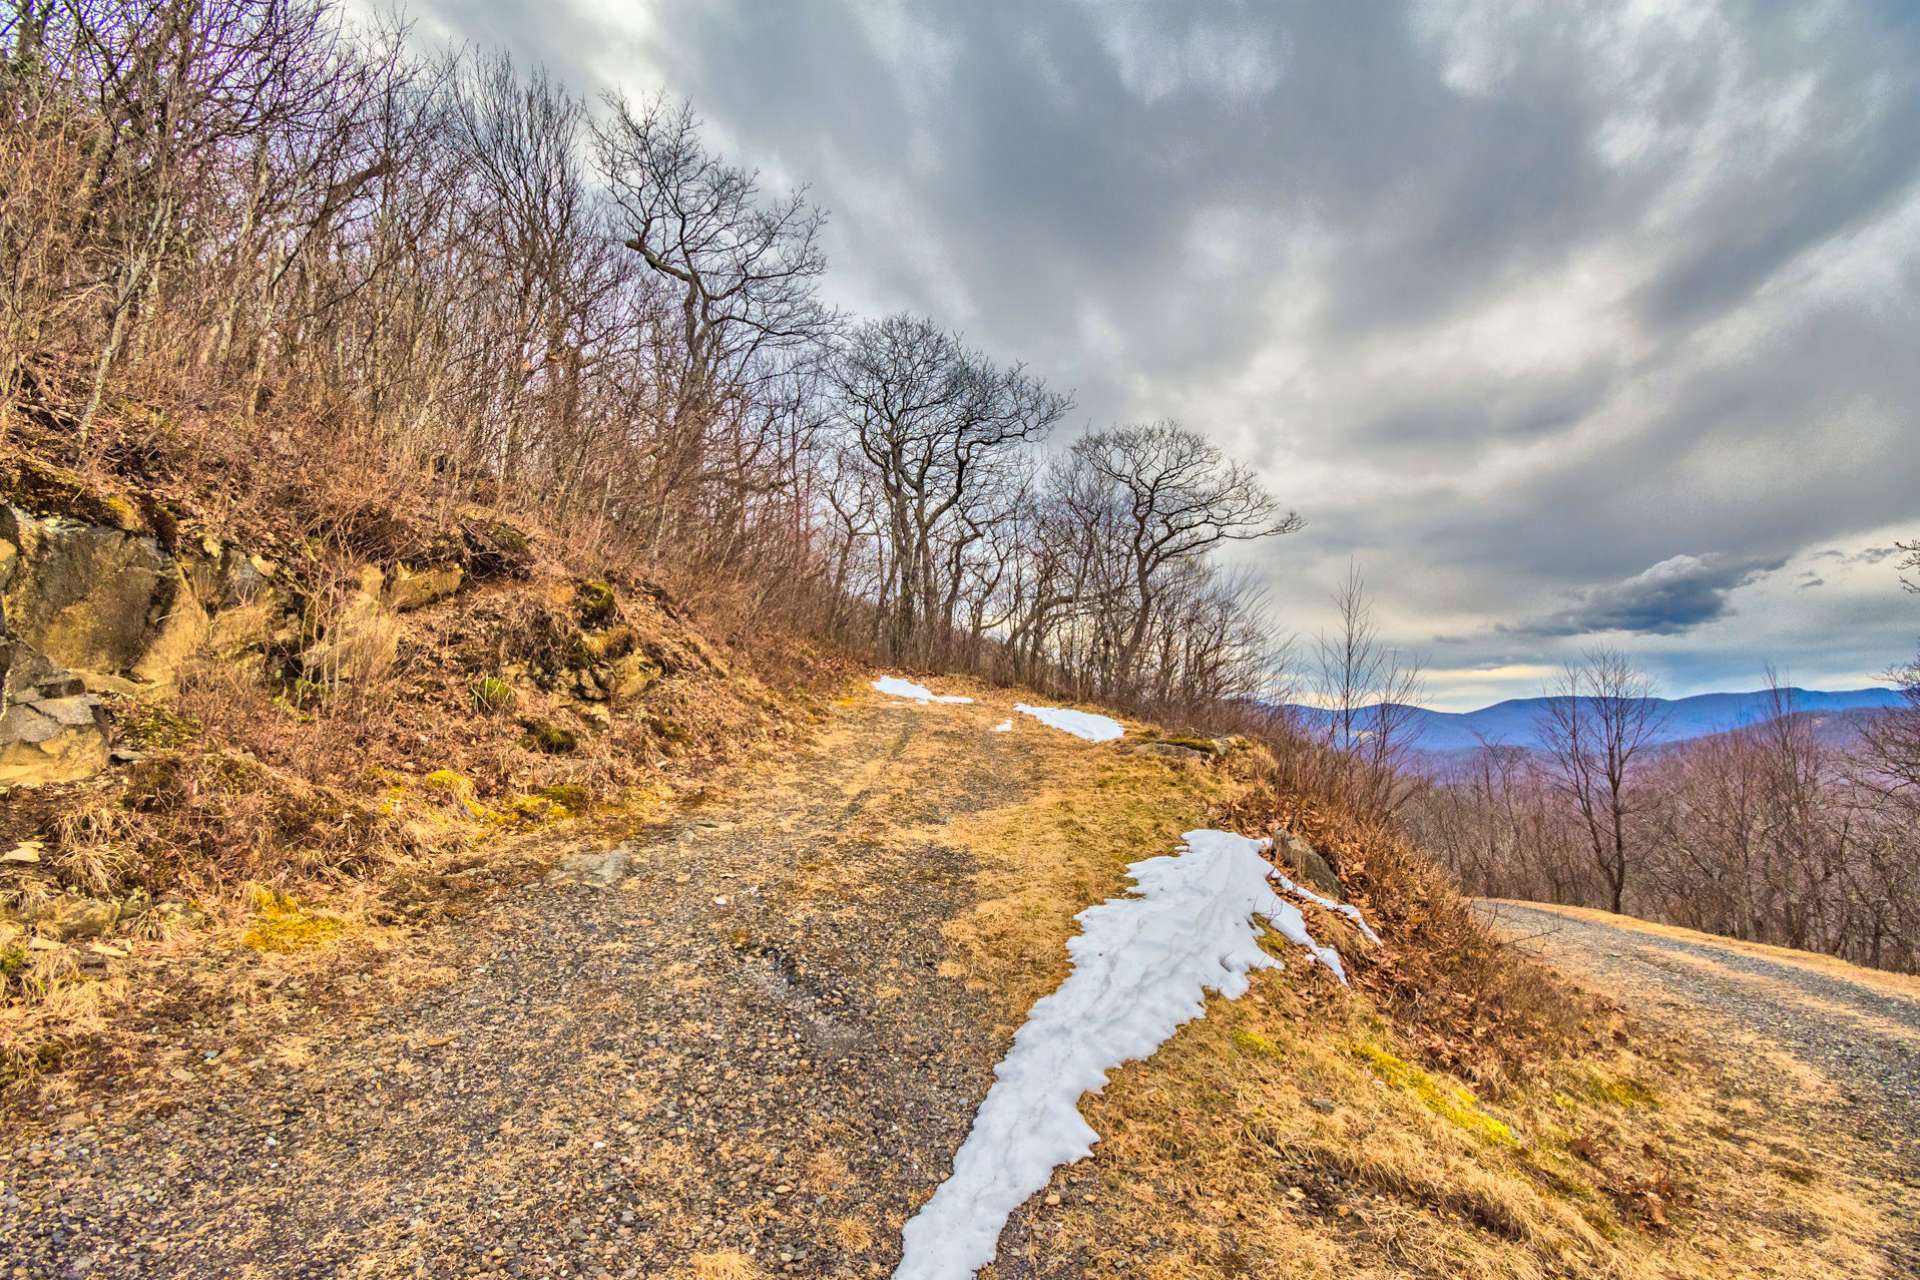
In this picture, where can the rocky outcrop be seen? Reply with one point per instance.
(357, 639)
(99, 605)
(52, 739)
(1306, 865)
(414, 588)
(85, 598)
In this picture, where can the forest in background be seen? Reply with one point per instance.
(1778, 831)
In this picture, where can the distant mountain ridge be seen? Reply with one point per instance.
(1515, 722)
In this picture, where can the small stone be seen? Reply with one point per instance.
(1053, 1197)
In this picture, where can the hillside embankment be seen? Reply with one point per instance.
(1849, 1037)
(744, 1033)
(246, 707)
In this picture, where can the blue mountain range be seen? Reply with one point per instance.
(1515, 722)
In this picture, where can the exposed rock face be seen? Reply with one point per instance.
(361, 637)
(86, 598)
(411, 589)
(88, 608)
(1309, 867)
(52, 739)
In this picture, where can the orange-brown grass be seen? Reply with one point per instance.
(1397, 1128)
(1293, 1133)
(1464, 997)
(1043, 859)
(360, 784)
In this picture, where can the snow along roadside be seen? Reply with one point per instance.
(1340, 908)
(1081, 724)
(899, 688)
(1142, 966)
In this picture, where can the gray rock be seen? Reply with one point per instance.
(1170, 751)
(1310, 868)
(46, 740)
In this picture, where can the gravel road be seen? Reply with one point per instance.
(1856, 1033)
(685, 1045)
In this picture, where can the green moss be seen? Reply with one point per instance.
(614, 643)
(281, 925)
(153, 726)
(52, 490)
(537, 809)
(571, 794)
(1455, 1105)
(12, 960)
(460, 788)
(598, 606)
(1622, 1092)
(1252, 1042)
(544, 735)
(669, 728)
(492, 696)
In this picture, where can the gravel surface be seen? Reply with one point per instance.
(693, 1042)
(1860, 1036)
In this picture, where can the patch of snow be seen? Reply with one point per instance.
(1350, 912)
(1005, 726)
(1081, 724)
(918, 692)
(1142, 966)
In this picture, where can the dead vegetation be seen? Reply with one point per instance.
(432, 680)
(1459, 1111)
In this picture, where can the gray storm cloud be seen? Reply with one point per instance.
(1507, 299)
(1676, 595)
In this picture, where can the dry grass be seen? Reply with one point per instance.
(371, 778)
(1311, 1130)
(1285, 1135)
(727, 1264)
(1043, 860)
(852, 1235)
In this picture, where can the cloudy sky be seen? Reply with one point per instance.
(1570, 324)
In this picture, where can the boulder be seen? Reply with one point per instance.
(242, 628)
(1306, 866)
(61, 739)
(630, 677)
(85, 597)
(408, 589)
(494, 548)
(180, 633)
(1171, 751)
(71, 918)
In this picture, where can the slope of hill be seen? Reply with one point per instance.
(1515, 722)
(744, 1035)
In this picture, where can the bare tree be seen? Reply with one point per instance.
(745, 270)
(1366, 691)
(1596, 722)
(943, 431)
(1179, 497)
